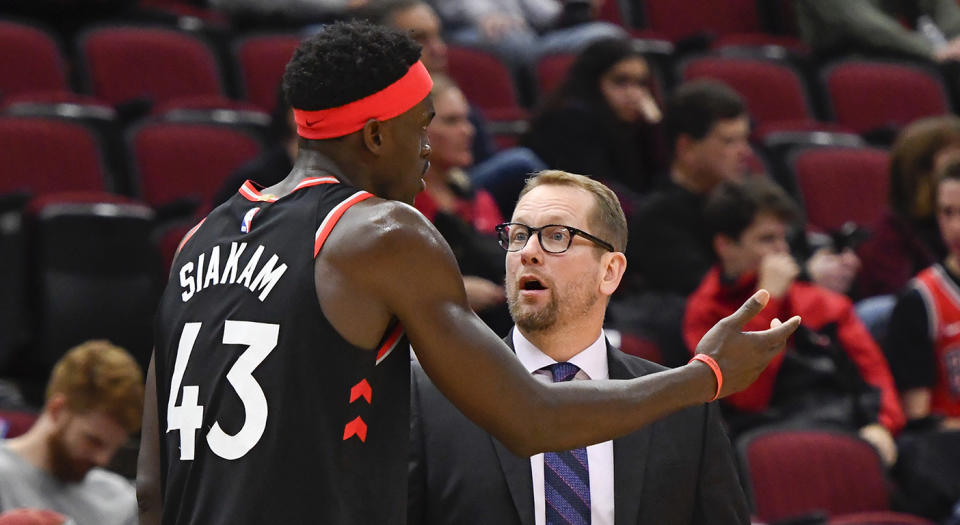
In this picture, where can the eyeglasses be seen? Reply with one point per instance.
(553, 238)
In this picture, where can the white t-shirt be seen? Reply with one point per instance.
(102, 498)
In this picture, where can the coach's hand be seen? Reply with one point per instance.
(743, 355)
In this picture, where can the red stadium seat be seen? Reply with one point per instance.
(177, 160)
(841, 184)
(678, 19)
(867, 96)
(128, 63)
(794, 473)
(30, 61)
(15, 422)
(486, 82)
(43, 155)
(773, 91)
(551, 71)
(262, 60)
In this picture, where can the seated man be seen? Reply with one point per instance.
(832, 374)
(559, 280)
(94, 402)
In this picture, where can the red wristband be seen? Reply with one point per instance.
(704, 358)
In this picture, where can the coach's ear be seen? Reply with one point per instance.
(373, 136)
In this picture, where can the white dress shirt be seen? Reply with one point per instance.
(592, 362)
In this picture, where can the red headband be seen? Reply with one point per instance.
(385, 104)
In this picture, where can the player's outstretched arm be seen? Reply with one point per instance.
(385, 260)
(148, 460)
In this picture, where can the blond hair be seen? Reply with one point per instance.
(606, 219)
(98, 376)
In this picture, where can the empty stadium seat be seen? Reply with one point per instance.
(261, 61)
(125, 63)
(793, 473)
(43, 155)
(187, 160)
(30, 60)
(840, 184)
(871, 95)
(486, 82)
(679, 19)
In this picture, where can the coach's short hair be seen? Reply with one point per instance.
(346, 61)
(97, 376)
(607, 219)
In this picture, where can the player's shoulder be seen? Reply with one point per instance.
(381, 225)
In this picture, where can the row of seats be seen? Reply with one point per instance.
(174, 68)
(120, 64)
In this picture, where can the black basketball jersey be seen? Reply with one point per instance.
(266, 414)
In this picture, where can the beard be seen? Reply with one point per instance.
(569, 303)
(63, 465)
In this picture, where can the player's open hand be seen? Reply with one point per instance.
(743, 355)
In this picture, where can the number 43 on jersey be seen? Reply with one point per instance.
(187, 417)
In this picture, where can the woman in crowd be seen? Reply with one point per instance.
(603, 120)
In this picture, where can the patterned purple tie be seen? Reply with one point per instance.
(566, 480)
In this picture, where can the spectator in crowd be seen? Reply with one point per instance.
(603, 120)
(678, 470)
(94, 402)
(924, 356)
(905, 240)
(499, 172)
(521, 31)
(707, 129)
(874, 27)
(465, 216)
(833, 374)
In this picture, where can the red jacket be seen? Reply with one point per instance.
(818, 307)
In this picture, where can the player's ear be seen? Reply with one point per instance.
(373, 135)
(614, 265)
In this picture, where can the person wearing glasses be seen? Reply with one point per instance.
(564, 259)
(276, 362)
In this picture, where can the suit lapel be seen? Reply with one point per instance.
(516, 471)
(629, 453)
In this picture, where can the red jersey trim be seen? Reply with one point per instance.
(390, 344)
(188, 235)
(331, 219)
(251, 193)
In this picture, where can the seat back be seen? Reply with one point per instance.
(678, 19)
(30, 60)
(485, 81)
(42, 155)
(262, 60)
(175, 160)
(840, 184)
(797, 472)
(867, 96)
(773, 91)
(124, 63)
(96, 274)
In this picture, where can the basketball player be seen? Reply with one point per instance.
(279, 390)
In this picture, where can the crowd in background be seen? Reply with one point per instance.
(713, 200)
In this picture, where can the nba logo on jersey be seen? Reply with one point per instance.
(247, 223)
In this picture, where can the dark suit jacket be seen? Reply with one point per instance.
(678, 470)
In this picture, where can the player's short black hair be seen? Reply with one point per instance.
(346, 61)
(696, 106)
